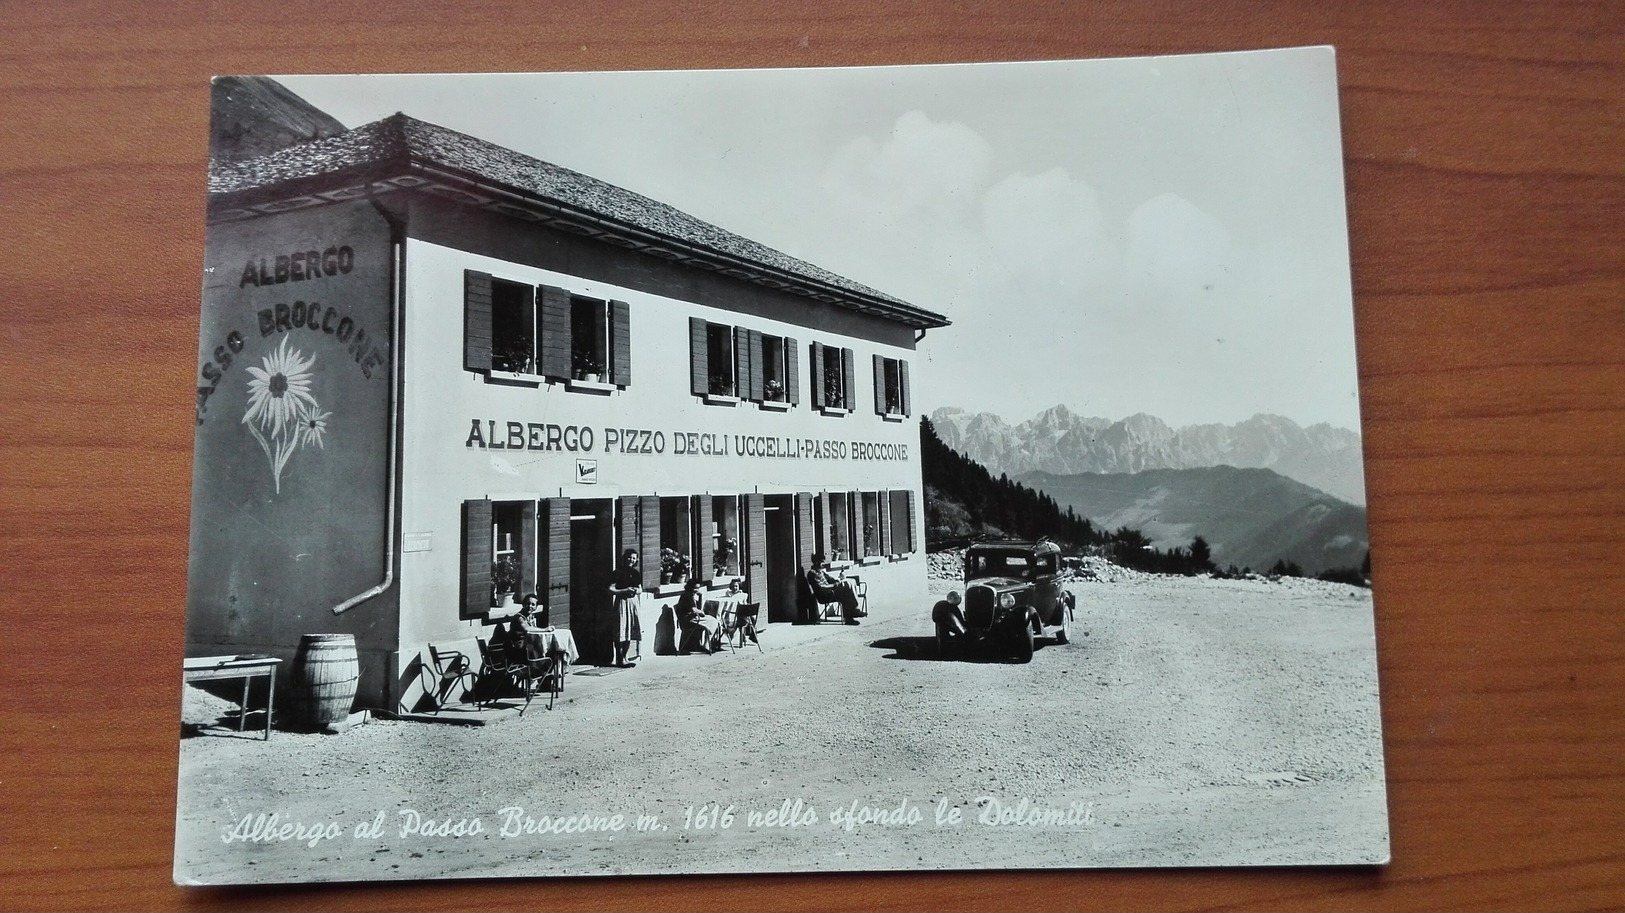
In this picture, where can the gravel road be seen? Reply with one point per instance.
(1191, 722)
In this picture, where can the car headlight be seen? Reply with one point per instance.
(1007, 601)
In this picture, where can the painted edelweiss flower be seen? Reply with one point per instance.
(279, 393)
(312, 426)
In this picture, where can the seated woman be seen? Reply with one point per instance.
(950, 623)
(694, 623)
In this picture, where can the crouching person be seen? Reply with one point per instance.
(950, 623)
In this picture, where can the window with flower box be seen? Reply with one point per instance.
(891, 387)
(513, 332)
(832, 379)
(499, 554)
(731, 364)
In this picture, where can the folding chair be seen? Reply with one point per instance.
(745, 615)
(452, 667)
(543, 667)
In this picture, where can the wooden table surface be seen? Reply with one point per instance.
(1485, 151)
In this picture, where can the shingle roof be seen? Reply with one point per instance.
(400, 144)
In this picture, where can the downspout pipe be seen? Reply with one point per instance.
(397, 286)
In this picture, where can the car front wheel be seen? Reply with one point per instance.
(1024, 645)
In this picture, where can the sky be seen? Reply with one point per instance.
(1163, 235)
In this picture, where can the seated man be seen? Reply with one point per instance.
(828, 588)
(950, 622)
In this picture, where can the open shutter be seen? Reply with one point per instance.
(741, 362)
(704, 545)
(756, 549)
(627, 533)
(913, 536)
(620, 341)
(698, 357)
(555, 324)
(818, 376)
(848, 380)
(758, 371)
(792, 373)
(554, 526)
(902, 383)
(527, 550)
(880, 384)
(806, 535)
(476, 558)
(824, 522)
(649, 534)
(476, 321)
(884, 506)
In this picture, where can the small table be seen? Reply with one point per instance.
(211, 668)
(555, 640)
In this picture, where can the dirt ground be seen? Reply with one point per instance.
(1191, 722)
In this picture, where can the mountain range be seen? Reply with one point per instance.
(1059, 442)
(1249, 517)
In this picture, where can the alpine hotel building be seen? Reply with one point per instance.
(428, 361)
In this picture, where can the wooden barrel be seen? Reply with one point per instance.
(325, 674)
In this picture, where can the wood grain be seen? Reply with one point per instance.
(1485, 151)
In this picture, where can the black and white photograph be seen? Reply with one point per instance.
(803, 470)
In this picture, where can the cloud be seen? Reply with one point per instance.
(1047, 234)
(923, 168)
(1175, 251)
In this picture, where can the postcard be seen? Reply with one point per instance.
(820, 470)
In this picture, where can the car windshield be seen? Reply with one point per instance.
(990, 564)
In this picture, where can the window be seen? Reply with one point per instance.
(724, 535)
(840, 526)
(832, 375)
(712, 366)
(543, 332)
(589, 339)
(871, 523)
(513, 327)
(676, 547)
(499, 554)
(891, 386)
(741, 363)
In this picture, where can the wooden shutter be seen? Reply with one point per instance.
(554, 527)
(698, 357)
(758, 370)
(880, 384)
(848, 379)
(649, 534)
(902, 383)
(627, 535)
(755, 570)
(555, 328)
(620, 332)
(824, 521)
(883, 505)
(527, 550)
(741, 363)
(704, 545)
(913, 541)
(818, 376)
(477, 324)
(476, 558)
(792, 372)
(806, 536)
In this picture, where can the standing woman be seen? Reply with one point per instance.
(624, 588)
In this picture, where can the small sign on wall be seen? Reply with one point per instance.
(417, 542)
(586, 472)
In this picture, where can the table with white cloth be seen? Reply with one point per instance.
(550, 640)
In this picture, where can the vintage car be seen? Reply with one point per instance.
(1013, 594)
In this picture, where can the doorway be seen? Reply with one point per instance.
(780, 556)
(592, 561)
